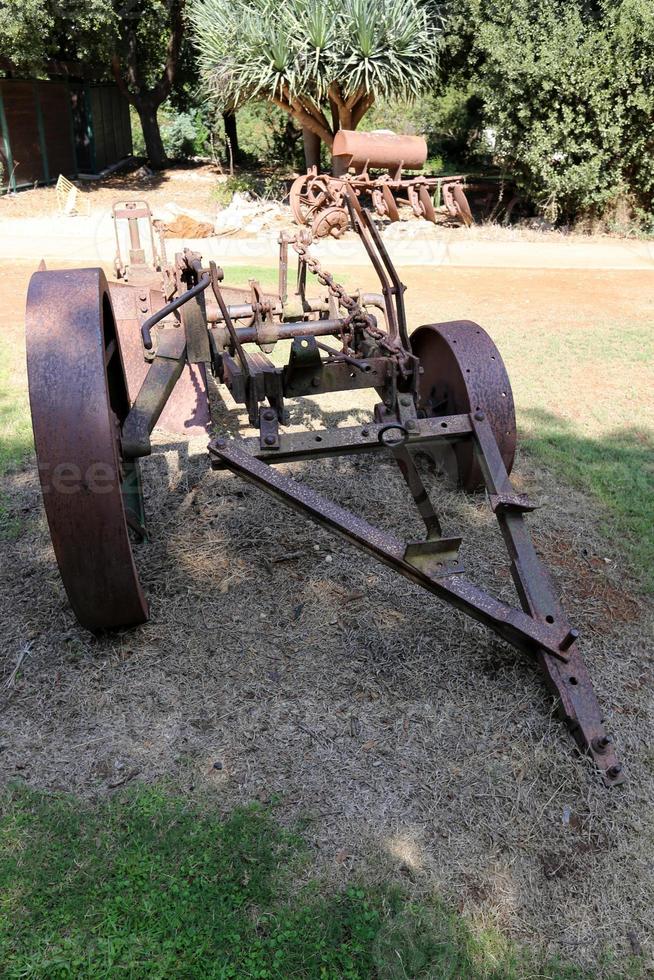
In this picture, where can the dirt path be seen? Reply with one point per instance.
(412, 742)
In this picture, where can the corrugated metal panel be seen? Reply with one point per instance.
(52, 128)
(22, 123)
(97, 125)
(82, 129)
(54, 98)
(112, 133)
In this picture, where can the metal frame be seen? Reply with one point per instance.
(373, 356)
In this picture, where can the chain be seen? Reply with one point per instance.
(392, 347)
(336, 289)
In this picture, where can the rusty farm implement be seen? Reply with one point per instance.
(319, 200)
(108, 361)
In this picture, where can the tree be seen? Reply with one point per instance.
(322, 61)
(136, 62)
(568, 87)
(139, 42)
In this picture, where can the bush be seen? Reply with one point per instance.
(566, 85)
(450, 121)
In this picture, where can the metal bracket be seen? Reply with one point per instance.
(540, 628)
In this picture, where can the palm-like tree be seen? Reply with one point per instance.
(322, 61)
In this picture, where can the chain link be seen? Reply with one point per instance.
(337, 289)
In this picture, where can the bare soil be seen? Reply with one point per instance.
(281, 664)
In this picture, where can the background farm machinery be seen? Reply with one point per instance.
(107, 362)
(319, 200)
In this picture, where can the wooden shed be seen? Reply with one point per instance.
(65, 127)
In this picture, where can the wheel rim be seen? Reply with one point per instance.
(78, 399)
(463, 372)
(332, 221)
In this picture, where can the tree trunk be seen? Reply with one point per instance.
(339, 166)
(311, 148)
(231, 137)
(151, 134)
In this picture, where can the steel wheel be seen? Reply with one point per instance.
(309, 194)
(332, 221)
(78, 398)
(463, 372)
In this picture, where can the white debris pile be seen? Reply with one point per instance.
(249, 216)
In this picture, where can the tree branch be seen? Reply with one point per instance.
(305, 119)
(163, 87)
(360, 109)
(120, 81)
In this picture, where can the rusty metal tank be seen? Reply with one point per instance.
(380, 148)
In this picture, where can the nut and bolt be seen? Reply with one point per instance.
(568, 639)
(268, 415)
(411, 425)
(479, 416)
(270, 440)
(405, 400)
(614, 771)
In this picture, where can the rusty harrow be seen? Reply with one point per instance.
(319, 201)
(109, 361)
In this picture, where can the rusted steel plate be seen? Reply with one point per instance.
(187, 410)
(77, 404)
(380, 149)
(464, 372)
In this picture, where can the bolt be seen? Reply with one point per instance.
(614, 771)
(220, 443)
(569, 639)
(268, 415)
(143, 297)
(411, 425)
(365, 432)
(602, 742)
(405, 401)
(315, 382)
(217, 765)
(480, 416)
(270, 440)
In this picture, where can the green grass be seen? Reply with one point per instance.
(585, 408)
(147, 885)
(267, 276)
(15, 428)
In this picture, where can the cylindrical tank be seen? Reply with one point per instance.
(380, 148)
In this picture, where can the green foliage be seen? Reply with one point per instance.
(567, 85)
(450, 120)
(250, 48)
(148, 886)
(302, 53)
(185, 135)
(33, 31)
(266, 186)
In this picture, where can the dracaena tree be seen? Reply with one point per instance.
(324, 62)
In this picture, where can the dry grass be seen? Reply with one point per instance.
(411, 740)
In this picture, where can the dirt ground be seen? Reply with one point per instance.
(192, 187)
(283, 665)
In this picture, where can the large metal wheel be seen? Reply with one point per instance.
(78, 398)
(310, 194)
(463, 372)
